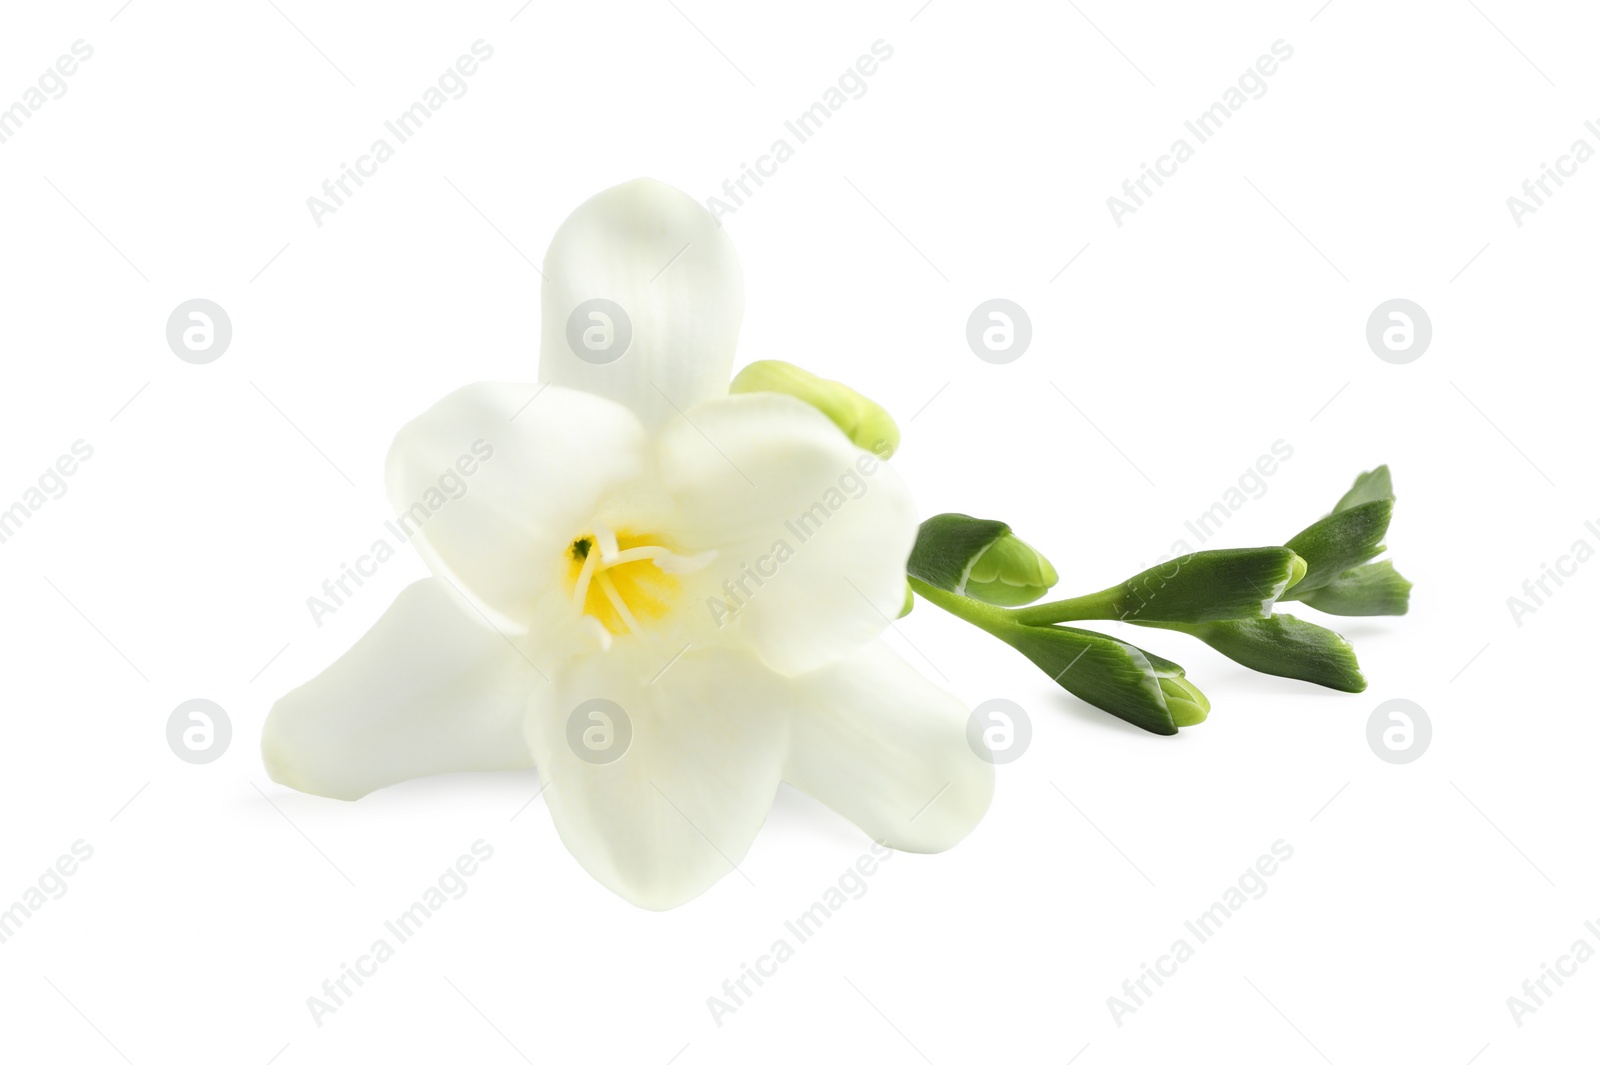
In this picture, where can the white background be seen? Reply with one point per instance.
(1226, 314)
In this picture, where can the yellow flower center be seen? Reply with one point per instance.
(621, 582)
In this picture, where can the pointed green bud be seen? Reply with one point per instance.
(1284, 646)
(911, 601)
(1103, 671)
(1219, 585)
(1009, 573)
(863, 421)
(980, 559)
(1369, 487)
(1341, 541)
(1365, 591)
(1187, 704)
(1140, 687)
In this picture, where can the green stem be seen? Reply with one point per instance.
(1096, 606)
(994, 620)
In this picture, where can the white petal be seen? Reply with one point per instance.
(663, 259)
(762, 477)
(887, 748)
(427, 690)
(540, 462)
(677, 811)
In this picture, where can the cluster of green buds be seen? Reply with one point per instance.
(980, 571)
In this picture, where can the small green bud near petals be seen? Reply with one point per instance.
(911, 601)
(980, 559)
(1009, 573)
(1187, 704)
(859, 418)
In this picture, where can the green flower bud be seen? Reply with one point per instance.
(911, 601)
(863, 421)
(980, 559)
(1284, 646)
(1187, 704)
(1009, 573)
(1372, 589)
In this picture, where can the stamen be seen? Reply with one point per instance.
(616, 602)
(580, 592)
(632, 594)
(607, 542)
(671, 563)
(636, 554)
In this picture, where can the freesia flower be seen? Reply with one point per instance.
(716, 569)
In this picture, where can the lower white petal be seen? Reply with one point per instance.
(677, 810)
(427, 690)
(887, 748)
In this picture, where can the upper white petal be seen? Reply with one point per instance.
(887, 748)
(752, 472)
(678, 810)
(500, 532)
(662, 258)
(427, 690)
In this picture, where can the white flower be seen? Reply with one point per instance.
(718, 566)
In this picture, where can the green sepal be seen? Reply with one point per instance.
(1107, 673)
(1285, 646)
(1372, 590)
(1186, 703)
(1369, 487)
(979, 558)
(1009, 572)
(1341, 541)
(947, 544)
